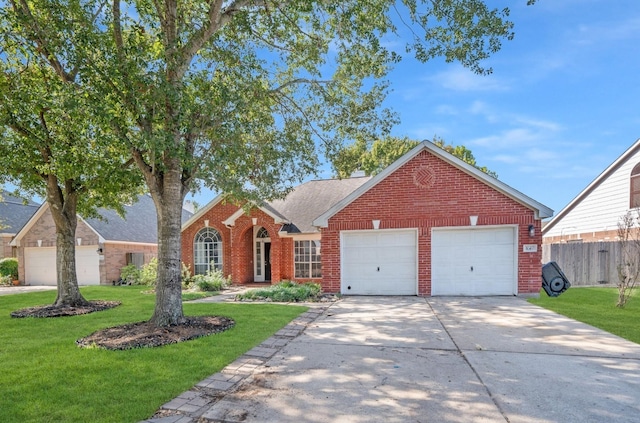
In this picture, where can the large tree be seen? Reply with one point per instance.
(245, 95)
(372, 159)
(52, 141)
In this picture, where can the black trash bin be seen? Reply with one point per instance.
(554, 282)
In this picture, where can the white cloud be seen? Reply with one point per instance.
(462, 79)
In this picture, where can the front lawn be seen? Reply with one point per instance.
(45, 377)
(597, 307)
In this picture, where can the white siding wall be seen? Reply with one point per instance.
(602, 208)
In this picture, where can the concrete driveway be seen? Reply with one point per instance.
(411, 359)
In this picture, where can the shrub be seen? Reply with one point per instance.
(149, 273)
(213, 280)
(285, 291)
(5, 280)
(130, 274)
(9, 267)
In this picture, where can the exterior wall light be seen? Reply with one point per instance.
(532, 231)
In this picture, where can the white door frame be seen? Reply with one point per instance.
(259, 266)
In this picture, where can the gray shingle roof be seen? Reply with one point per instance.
(309, 200)
(14, 213)
(139, 224)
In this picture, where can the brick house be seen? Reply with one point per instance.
(429, 224)
(14, 213)
(104, 245)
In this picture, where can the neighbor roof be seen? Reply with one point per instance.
(593, 185)
(138, 225)
(14, 212)
(540, 210)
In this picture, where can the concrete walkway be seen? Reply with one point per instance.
(411, 359)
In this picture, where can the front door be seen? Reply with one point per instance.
(267, 261)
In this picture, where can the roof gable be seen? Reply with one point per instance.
(598, 182)
(138, 225)
(540, 210)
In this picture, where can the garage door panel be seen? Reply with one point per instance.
(379, 263)
(476, 261)
(40, 266)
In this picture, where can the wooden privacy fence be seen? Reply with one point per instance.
(585, 263)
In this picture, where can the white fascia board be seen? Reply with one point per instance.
(231, 220)
(100, 237)
(197, 215)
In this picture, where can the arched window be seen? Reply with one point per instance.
(207, 250)
(262, 233)
(634, 200)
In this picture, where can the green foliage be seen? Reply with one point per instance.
(285, 291)
(213, 280)
(147, 275)
(45, 377)
(383, 152)
(130, 274)
(6, 280)
(596, 307)
(9, 267)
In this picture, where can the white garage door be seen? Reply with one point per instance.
(478, 261)
(40, 266)
(379, 262)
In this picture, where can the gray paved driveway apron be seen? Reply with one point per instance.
(411, 359)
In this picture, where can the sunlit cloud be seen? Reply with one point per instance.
(461, 79)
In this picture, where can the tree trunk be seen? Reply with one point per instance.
(63, 210)
(168, 194)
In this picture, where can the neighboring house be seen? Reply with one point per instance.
(593, 215)
(14, 213)
(429, 224)
(103, 246)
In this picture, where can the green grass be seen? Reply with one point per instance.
(190, 296)
(597, 307)
(45, 377)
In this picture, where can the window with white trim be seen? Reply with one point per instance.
(634, 200)
(207, 251)
(307, 259)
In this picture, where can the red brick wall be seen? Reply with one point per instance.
(237, 243)
(425, 193)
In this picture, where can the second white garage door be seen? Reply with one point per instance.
(379, 262)
(477, 261)
(40, 266)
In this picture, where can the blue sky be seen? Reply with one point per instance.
(560, 106)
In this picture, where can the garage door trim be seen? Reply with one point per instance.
(413, 231)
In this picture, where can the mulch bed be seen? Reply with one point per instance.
(145, 334)
(60, 311)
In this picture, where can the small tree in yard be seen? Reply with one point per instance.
(629, 262)
(245, 95)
